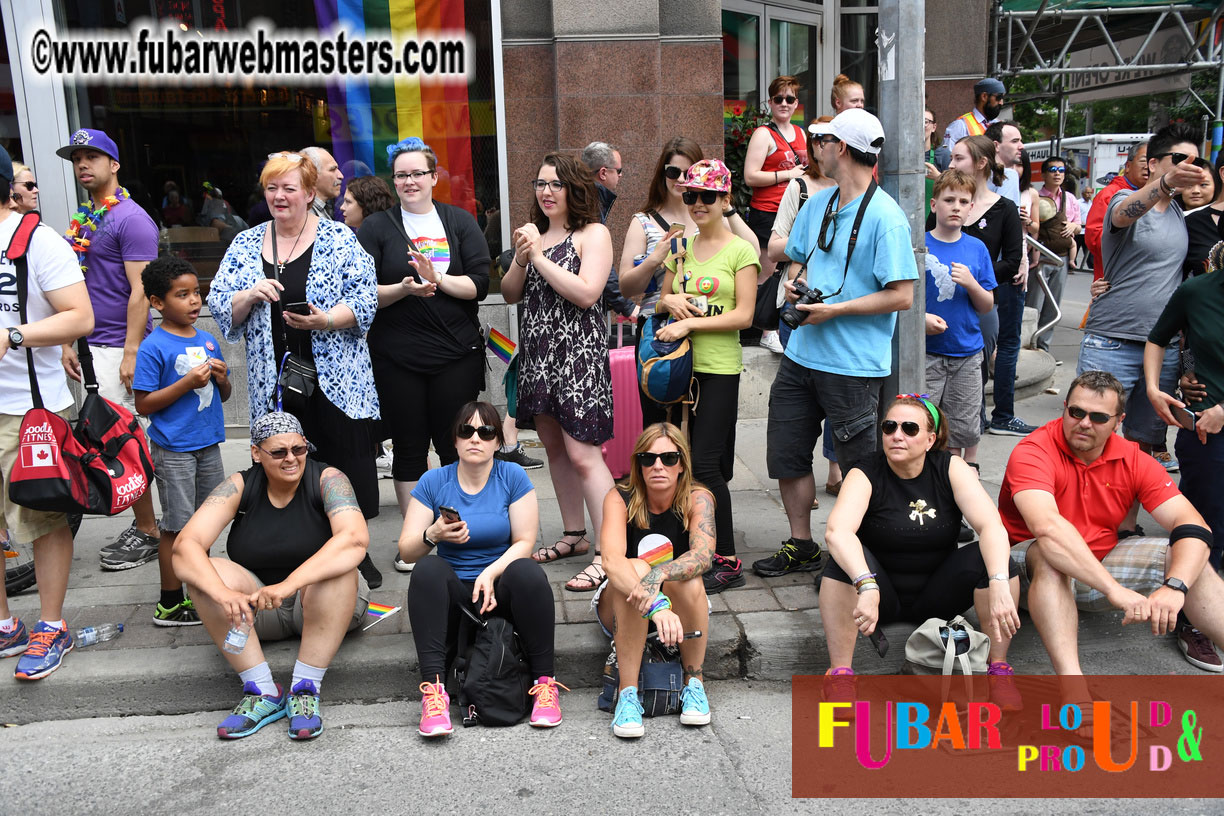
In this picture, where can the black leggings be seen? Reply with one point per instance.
(523, 597)
(712, 437)
(945, 593)
(422, 407)
(346, 444)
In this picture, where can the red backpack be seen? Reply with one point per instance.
(102, 465)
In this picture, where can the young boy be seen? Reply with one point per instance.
(959, 279)
(180, 383)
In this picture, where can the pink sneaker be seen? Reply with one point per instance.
(839, 685)
(435, 710)
(546, 712)
(1003, 691)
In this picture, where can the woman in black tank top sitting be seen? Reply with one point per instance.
(297, 538)
(894, 529)
(658, 540)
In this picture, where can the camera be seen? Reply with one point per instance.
(791, 316)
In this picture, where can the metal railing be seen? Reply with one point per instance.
(1057, 260)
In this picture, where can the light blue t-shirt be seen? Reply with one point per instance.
(487, 513)
(854, 345)
(950, 300)
(1010, 188)
(194, 421)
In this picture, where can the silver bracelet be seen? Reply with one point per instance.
(329, 321)
(869, 588)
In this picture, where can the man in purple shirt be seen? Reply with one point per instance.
(113, 242)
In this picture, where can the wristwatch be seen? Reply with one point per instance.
(1002, 576)
(428, 543)
(16, 338)
(1176, 583)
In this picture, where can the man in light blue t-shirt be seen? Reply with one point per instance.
(837, 359)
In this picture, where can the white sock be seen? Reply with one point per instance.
(304, 671)
(510, 448)
(59, 624)
(8, 624)
(261, 676)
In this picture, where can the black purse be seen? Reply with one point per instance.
(297, 379)
(767, 312)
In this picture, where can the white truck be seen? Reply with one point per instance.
(1101, 155)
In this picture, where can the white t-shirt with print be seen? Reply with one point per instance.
(52, 265)
(427, 233)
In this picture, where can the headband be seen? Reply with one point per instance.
(275, 423)
(925, 399)
(404, 146)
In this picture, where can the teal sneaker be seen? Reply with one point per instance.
(304, 720)
(694, 705)
(14, 642)
(627, 721)
(253, 713)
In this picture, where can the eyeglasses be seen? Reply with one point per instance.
(788, 100)
(670, 458)
(1177, 158)
(291, 157)
(1056, 168)
(1095, 417)
(485, 432)
(672, 172)
(415, 175)
(928, 121)
(556, 185)
(280, 453)
(29, 185)
(889, 427)
(707, 196)
(828, 138)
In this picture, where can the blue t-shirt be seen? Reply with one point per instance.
(949, 300)
(854, 345)
(195, 420)
(487, 513)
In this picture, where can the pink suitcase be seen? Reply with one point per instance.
(626, 411)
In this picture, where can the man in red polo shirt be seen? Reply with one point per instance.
(1067, 486)
(1133, 176)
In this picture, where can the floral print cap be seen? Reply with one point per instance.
(708, 174)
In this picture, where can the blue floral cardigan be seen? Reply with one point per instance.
(340, 272)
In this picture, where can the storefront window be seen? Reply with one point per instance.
(858, 52)
(741, 62)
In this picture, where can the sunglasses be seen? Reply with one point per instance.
(415, 175)
(788, 100)
(889, 427)
(292, 157)
(485, 432)
(707, 196)
(1056, 168)
(29, 185)
(825, 239)
(619, 171)
(670, 458)
(1177, 158)
(1096, 417)
(672, 172)
(280, 453)
(556, 185)
(828, 138)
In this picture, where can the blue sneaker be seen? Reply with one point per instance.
(45, 652)
(694, 705)
(304, 720)
(253, 713)
(14, 642)
(627, 721)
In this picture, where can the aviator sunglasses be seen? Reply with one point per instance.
(707, 197)
(889, 427)
(670, 458)
(280, 453)
(1095, 417)
(485, 432)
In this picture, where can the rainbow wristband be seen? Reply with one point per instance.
(661, 602)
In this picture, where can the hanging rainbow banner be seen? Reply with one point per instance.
(366, 117)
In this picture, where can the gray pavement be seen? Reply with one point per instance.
(767, 630)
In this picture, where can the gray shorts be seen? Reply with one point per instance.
(184, 479)
(286, 622)
(955, 385)
(1137, 563)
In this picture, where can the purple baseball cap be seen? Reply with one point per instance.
(87, 137)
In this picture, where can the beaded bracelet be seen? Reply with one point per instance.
(661, 602)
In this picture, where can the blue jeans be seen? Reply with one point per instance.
(1124, 360)
(1010, 302)
(1201, 466)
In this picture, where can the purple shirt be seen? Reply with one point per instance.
(127, 234)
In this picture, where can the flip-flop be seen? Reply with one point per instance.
(546, 554)
(591, 580)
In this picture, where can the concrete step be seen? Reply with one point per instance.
(1034, 374)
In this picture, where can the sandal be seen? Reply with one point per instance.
(553, 553)
(833, 488)
(590, 580)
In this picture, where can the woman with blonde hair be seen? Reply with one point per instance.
(25, 189)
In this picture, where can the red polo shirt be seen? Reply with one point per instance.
(1093, 497)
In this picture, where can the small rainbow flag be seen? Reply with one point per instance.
(661, 553)
(500, 344)
(378, 612)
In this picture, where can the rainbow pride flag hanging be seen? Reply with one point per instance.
(367, 117)
(501, 345)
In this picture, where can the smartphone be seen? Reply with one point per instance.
(702, 302)
(879, 641)
(300, 308)
(449, 514)
(1185, 418)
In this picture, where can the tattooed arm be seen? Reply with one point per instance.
(696, 561)
(1132, 208)
(190, 557)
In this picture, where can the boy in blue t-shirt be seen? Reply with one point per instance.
(180, 382)
(959, 280)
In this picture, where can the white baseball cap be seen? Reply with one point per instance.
(854, 126)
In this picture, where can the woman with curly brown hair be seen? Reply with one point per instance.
(363, 197)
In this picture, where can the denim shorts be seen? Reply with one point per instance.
(1124, 360)
(184, 480)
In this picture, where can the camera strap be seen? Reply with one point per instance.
(854, 231)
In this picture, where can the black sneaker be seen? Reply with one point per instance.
(1012, 427)
(724, 573)
(135, 548)
(370, 572)
(519, 458)
(787, 560)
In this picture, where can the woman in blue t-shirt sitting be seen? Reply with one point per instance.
(481, 516)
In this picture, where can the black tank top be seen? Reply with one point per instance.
(666, 524)
(270, 541)
(294, 281)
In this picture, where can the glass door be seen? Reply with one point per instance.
(762, 41)
(794, 49)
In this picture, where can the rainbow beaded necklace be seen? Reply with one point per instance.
(87, 220)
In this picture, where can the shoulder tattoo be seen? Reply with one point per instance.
(338, 495)
(223, 492)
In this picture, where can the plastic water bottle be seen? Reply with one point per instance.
(96, 634)
(236, 637)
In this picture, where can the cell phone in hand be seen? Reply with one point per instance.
(1185, 418)
(879, 641)
(300, 308)
(449, 514)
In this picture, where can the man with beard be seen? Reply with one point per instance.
(114, 239)
(988, 98)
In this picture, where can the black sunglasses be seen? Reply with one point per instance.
(280, 453)
(485, 432)
(826, 243)
(29, 185)
(1177, 158)
(672, 172)
(707, 196)
(789, 100)
(889, 427)
(1096, 417)
(670, 458)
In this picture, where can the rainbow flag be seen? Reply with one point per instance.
(379, 611)
(501, 345)
(658, 554)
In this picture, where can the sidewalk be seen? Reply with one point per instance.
(769, 629)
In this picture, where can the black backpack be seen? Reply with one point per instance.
(493, 675)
